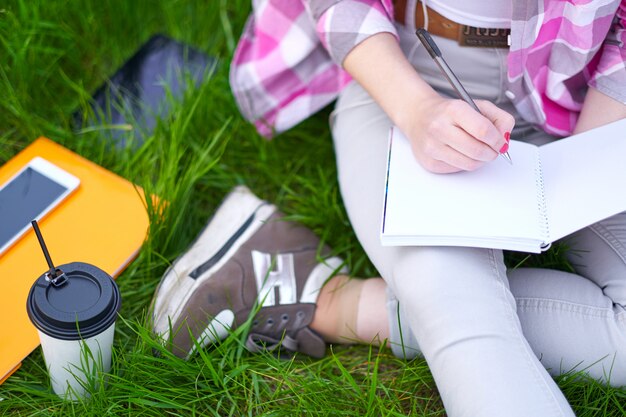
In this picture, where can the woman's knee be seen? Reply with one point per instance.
(432, 279)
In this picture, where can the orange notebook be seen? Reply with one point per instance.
(103, 222)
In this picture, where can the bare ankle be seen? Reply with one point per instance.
(335, 315)
(372, 321)
(351, 310)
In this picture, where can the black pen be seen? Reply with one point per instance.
(435, 54)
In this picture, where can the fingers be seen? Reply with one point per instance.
(489, 127)
(502, 120)
(450, 135)
(456, 161)
(467, 145)
(436, 166)
(440, 157)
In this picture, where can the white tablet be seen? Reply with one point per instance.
(29, 195)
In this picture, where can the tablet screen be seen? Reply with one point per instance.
(23, 199)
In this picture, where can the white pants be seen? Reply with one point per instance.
(488, 334)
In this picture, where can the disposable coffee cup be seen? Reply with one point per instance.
(75, 318)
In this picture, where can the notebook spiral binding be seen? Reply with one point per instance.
(544, 225)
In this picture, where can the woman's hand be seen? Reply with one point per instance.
(446, 135)
(449, 135)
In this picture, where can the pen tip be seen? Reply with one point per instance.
(507, 157)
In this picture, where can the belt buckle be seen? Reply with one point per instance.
(483, 37)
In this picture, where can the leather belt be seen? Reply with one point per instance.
(446, 28)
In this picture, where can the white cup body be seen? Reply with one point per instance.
(74, 364)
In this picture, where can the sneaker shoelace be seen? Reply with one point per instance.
(274, 335)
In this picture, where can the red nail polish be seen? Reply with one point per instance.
(504, 148)
(507, 136)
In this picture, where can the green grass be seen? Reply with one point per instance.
(53, 54)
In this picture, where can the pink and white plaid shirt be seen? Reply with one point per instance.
(558, 49)
(287, 65)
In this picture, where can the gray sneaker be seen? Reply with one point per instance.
(246, 259)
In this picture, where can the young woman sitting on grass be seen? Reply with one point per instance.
(491, 337)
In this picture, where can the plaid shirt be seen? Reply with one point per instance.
(287, 65)
(560, 49)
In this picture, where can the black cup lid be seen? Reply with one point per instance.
(84, 306)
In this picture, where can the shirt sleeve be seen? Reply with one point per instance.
(610, 75)
(343, 24)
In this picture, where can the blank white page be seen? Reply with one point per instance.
(585, 178)
(498, 200)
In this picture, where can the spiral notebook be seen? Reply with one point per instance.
(549, 192)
